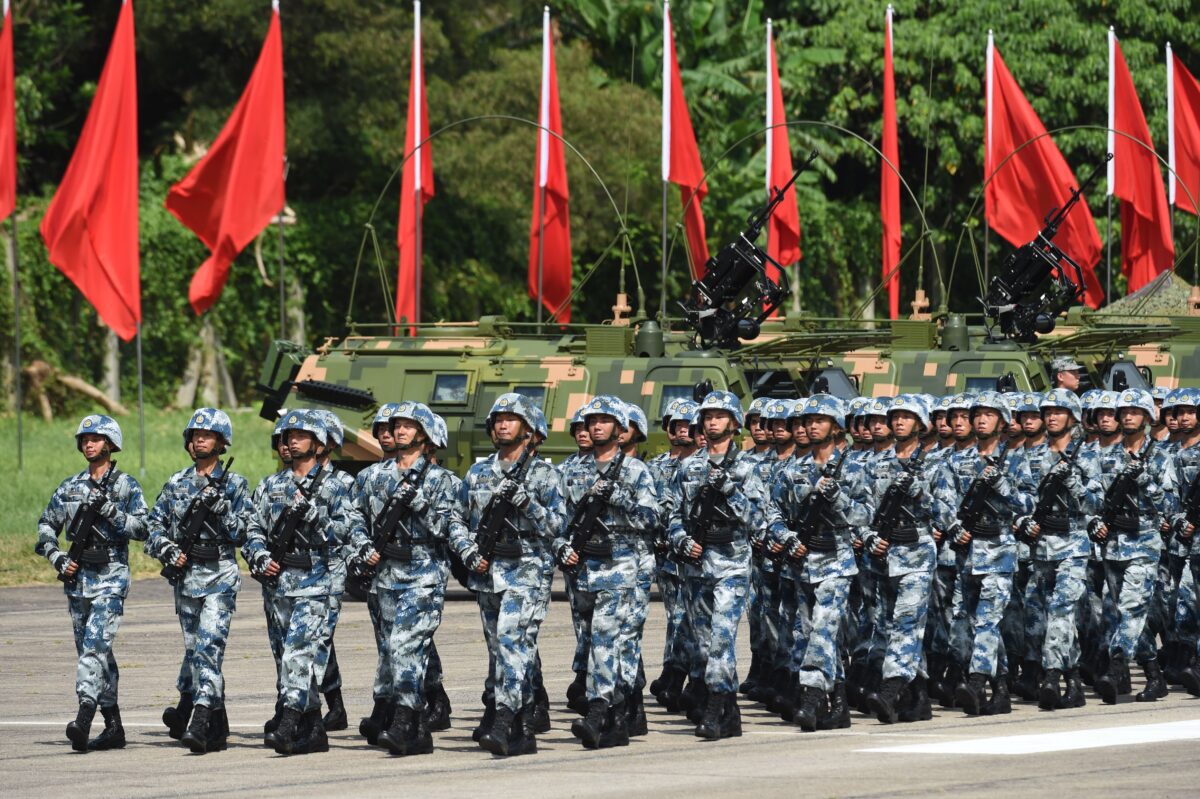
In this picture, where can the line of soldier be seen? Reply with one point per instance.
(884, 551)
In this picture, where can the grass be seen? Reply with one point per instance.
(50, 456)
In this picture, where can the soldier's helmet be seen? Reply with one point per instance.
(777, 409)
(724, 401)
(540, 428)
(1182, 397)
(577, 418)
(686, 412)
(334, 434)
(879, 407)
(1030, 403)
(417, 412)
(796, 409)
(960, 402)
(992, 400)
(857, 408)
(1107, 401)
(608, 405)
(1063, 398)
(757, 405)
(826, 405)
(277, 433)
(513, 403)
(1159, 393)
(1013, 400)
(671, 412)
(212, 419)
(98, 424)
(383, 416)
(439, 436)
(637, 418)
(913, 404)
(307, 421)
(1138, 398)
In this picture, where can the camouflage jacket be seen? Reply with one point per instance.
(539, 523)
(630, 513)
(1187, 467)
(428, 522)
(332, 521)
(127, 523)
(745, 499)
(921, 507)
(167, 523)
(1080, 499)
(1011, 497)
(1157, 500)
(663, 469)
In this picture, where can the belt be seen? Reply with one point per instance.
(821, 543)
(1056, 525)
(721, 535)
(97, 556)
(210, 553)
(904, 535)
(1125, 525)
(305, 558)
(402, 552)
(986, 530)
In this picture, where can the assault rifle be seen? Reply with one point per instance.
(1050, 490)
(283, 532)
(709, 507)
(1121, 490)
(585, 522)
(1191, 504)
(977, 501)
(498, 515)
(894, 505)
(197, 516)
(391, 521)
(83, 525)
(814, 511)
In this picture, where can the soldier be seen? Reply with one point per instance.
(1159, 430)
(1029, 414)
(991, 483)
(583, 439)
(437, 701)
(606, 569)
(206, 579)
(97, 583)
(959, 417)
(510, 583)
(1132, 544)
(1186, 560)
(1068, 476)
(277, 443)
(901, 535)
(860, 431)
(720, 545)
(409, 501)
(760, 441)
(299, 520)
(826, 497)
(1023, 409)
(1066, 373)
(877, 422)
(1015, 434)
(941, 423)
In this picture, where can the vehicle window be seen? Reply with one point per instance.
(535, 393)
(449, 388)
(670, 394)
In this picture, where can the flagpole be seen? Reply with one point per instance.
(543, 157)
(417, 255)
(1170, 142)
(662, 311)
(12, 248)
(141, 405)
(541, 248)
(666, 149)
(1111, 167)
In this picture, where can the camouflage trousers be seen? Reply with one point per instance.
(510, 628)
(303, 620)
(1090, 617)
(789, 603)
(275, 636)
(1012, 626)
(603, 617)
(676, 645)
(817, 656)
(95, 622)
(763, 609)
(381, 688)
(330, 676)
(411, 615)
(977, 621)
(579, 662)
(941, 612)
(633, 675)
(720, 602)
(905, 606)
(1131, 585)
(204, 622)
(1182, 609)
(697, 594)
(1052, 598)
(862, 634)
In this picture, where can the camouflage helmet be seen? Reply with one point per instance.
(334, 432)
(879, 407)
(671, 410)
(960, 402)
(992, 400)
(417, 412)
(724, 401)
(687, 412)
(540, 428)
(383, 416)
(439, 436)
(1064, 363)
(97, 424)
(306, 421)
(1159, 393)
(777, 409)
(577, 418)
(1138, 398)
(608, 405)
(857, 407)
(212, 419)
(514, 403)
(826, 405)
(1030, 403)
(796, 411)
(637, 418)
(1062, 398)
(1013, 400)
(1182, 396)
(913, 404)
(757, 406)
(941, 404)
(277, 432)
(1107, 401)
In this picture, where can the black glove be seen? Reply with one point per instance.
(406, 493)
(905, 481)
(716, 479)
(991, 475)
(602, 488)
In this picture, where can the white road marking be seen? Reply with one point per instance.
(124, 723)
(1054, 741)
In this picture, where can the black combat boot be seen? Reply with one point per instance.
(1126, 684)
(577, 694)
(312, 737)
(1001, 702)
(698, 701)
(787, 702)
(971, 696)
(884, 702)
(421, 742)
(497, 738)
(288, 732)
(752, 676)
(196, 737)
(838, 717)
(218, 731)
(437, 708)
(538, 714)
(616, 728)
(370, 726)
(1109, 686)
(1074, 696)
(1156, 687)
(811, 701)
(856, 680)
(1190, 678)
(937, 670)
(1027, 685)
(783, 687)
(589, 728)
(709, 726)
(950, 684)
(764, 687)
(113, 734)
(77, 730)
(489, 717)
(871, 684)
(636, 707)
(731, 720)
(272, 724)
(176, 718)
(914, 701)
(1050, 692)
(398, 737)
(670, 695)
(523, 739)
(335, 719)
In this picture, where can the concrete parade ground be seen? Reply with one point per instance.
(1126, 750)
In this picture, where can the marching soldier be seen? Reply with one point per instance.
(583, 439)
(1187, 555)
(759, 443)
(101, 510)
(205, 578)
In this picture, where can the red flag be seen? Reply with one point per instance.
(889, 180)
(1022, 189)
(1135, 178)
(416, 180)
(783, 232)
(550, 182)
(91, 225)
(681, 157)
(232, 193)
(1183, 126)
(8, 125)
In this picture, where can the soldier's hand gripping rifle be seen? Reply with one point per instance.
(977, 500)
(1191, 504)
(709, 508)
(1121, 496)
(498, 516)
(586, 522)
(195, 519)
(1050, 494)
(894, 505)
(83, 524)
(813, 515)
(1013, 299)
(283, 532)
(735, 294)
(390, 526)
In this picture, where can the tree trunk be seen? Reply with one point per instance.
(185, 395)
(112, 367)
